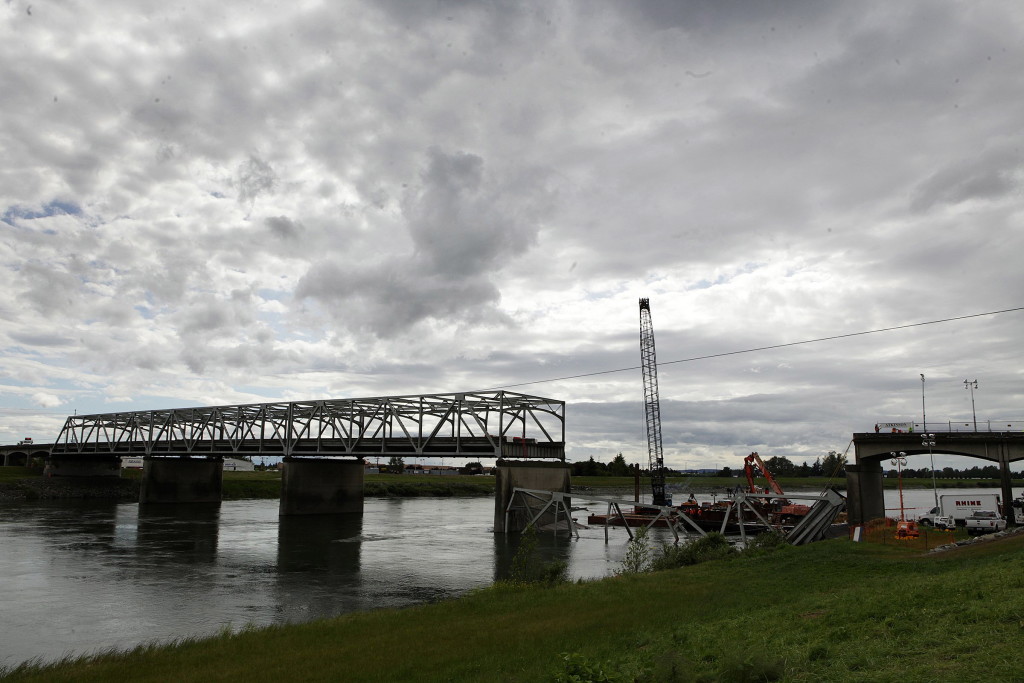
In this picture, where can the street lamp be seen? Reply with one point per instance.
(968, 384)
(929, 441)
(900, 459)
(924, 420)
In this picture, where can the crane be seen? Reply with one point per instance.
(748, 469)
(787, 512)
(652, 408)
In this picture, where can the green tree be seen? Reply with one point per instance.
(472, 468)
(396, 465)
(618, 467)
(833, 464)
(780, 466)
(589, 468)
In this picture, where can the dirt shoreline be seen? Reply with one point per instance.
(43, 488)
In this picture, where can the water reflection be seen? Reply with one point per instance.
(79, 526)
(549, 547)
(186, 533)
(318, 567)
(319, 543)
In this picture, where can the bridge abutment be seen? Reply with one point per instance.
(865, 496)
(181, 480)
(317, 486)
(512, 474)
(82, 466)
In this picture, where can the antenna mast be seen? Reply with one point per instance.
(652, 408)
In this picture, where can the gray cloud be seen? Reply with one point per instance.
(200, 204)
(463, 224)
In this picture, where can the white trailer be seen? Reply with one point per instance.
(960, 506)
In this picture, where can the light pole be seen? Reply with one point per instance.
(900, 459)
(968, 384)
(929, 441)
(924, 420)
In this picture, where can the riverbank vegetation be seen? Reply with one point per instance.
(720, 485)
(26, 483)
(833, 610)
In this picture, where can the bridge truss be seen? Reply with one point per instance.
(491, 424)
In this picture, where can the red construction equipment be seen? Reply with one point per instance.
(787, 512)
(748, 469)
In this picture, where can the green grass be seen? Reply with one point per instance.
(833, 611)
(246, 485)
(11, 474)
(241, 485)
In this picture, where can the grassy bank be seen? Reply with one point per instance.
(23, 483)
(240, 485)
(829, 611)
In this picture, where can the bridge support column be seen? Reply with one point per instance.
(1006, 484)
(321, 486)
(511, 474)
(82, 466)
(181, 480)
(865, 498)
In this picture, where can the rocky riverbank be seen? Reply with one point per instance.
(44, 488)
(1012, 531)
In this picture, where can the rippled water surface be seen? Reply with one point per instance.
(79, 576)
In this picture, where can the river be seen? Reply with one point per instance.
(79, 576)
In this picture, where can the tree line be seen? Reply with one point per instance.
(986, 472)
(832, 464)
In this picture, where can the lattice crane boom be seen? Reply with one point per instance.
(652, 408)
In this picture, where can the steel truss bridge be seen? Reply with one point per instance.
(483, 424)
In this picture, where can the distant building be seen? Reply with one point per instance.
(237, 465)
(230, 464)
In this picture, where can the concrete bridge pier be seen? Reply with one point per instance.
(181, 480)
(865, 498)
(319, 486)
(1006, 485)
(82, 466)
(513, 474)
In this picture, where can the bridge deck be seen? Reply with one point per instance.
(992, 446)
(465, 447)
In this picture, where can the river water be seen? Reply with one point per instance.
(79, 576)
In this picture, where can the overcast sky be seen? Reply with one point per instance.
(214, 203)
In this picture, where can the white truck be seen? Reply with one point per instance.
(960, 506)
(984, 522)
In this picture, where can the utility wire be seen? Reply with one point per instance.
(763, 348)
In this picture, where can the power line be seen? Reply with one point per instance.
(763, 348)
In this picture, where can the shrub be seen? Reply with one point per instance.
(711, 547)
(529, 569)
(638, 554)
(578, 669)
(765, 543)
